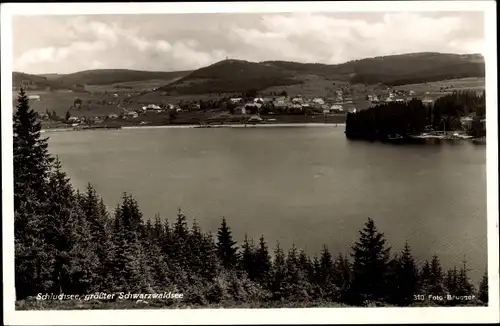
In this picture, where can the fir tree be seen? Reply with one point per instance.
(451, 281)
(370, 266)
(483, 289)
(464, 287)
(326, 275)
(278, 273)
(435, 279)
(296, 287)
(69, 246)
(226, 246)
(342, 276)
(32, 161)
(406, 278)
(262, 263)
(248, 258)
(180, 235)
(99, 224)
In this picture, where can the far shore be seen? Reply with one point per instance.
(269, 125)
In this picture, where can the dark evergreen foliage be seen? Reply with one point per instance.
(370, 266)
(226, 246)
(66, 241)
(483, 289)
(386, 120)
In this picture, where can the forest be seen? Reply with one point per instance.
(68, 242)
(386, 119)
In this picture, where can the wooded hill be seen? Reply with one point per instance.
(230, 76)
(239, 76)
(93, 77)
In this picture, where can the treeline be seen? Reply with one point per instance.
(386, 119)
(68, 242)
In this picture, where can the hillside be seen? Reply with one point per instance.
(93, 77)
(113, 76)
(230, 76)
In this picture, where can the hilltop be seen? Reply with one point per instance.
(238, 75)
(93, 77)
(232, 76)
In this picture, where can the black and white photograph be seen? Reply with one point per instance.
(352, 176)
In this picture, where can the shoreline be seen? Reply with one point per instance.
(279, 125)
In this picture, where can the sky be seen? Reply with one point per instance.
(172, 42)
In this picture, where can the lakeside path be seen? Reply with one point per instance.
(273, 125)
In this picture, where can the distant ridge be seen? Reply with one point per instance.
(93, 77)
(232, 75)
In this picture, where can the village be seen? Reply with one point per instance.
(122, 108)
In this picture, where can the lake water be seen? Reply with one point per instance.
(308, 186)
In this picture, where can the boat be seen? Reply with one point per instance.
(394, 137)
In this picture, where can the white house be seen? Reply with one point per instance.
(235, 99)
(131, 114)
(258, 100)
(34, 97)
(319, 101)
(336, 108)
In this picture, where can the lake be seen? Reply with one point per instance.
(296, 185)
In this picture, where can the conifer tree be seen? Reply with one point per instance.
(296, 287)
(278, 273)
(262, 263)
(99, 224)
(32, 161)
(195, 249)
(70, 249)
(483, 288)
(464, 287)
(180, 235)
(248, 258)
(435, 280)
(342, 275)
(370, 266)
(405, 278)
(226, 246)
(130, 267)
(424, 277)
(451, 281)
(326, 275)
(211, 264)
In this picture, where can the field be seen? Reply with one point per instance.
(472, 83)
(101, 100)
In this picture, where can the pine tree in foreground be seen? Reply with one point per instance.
(226, 246)
(405, 278)
(483, 288)
(262, 264)
(32, 161)
(370, 266)
(278, 274)
(435, 278)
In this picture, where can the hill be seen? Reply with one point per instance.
(230, 76)
(92, 77)
(113, 76)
